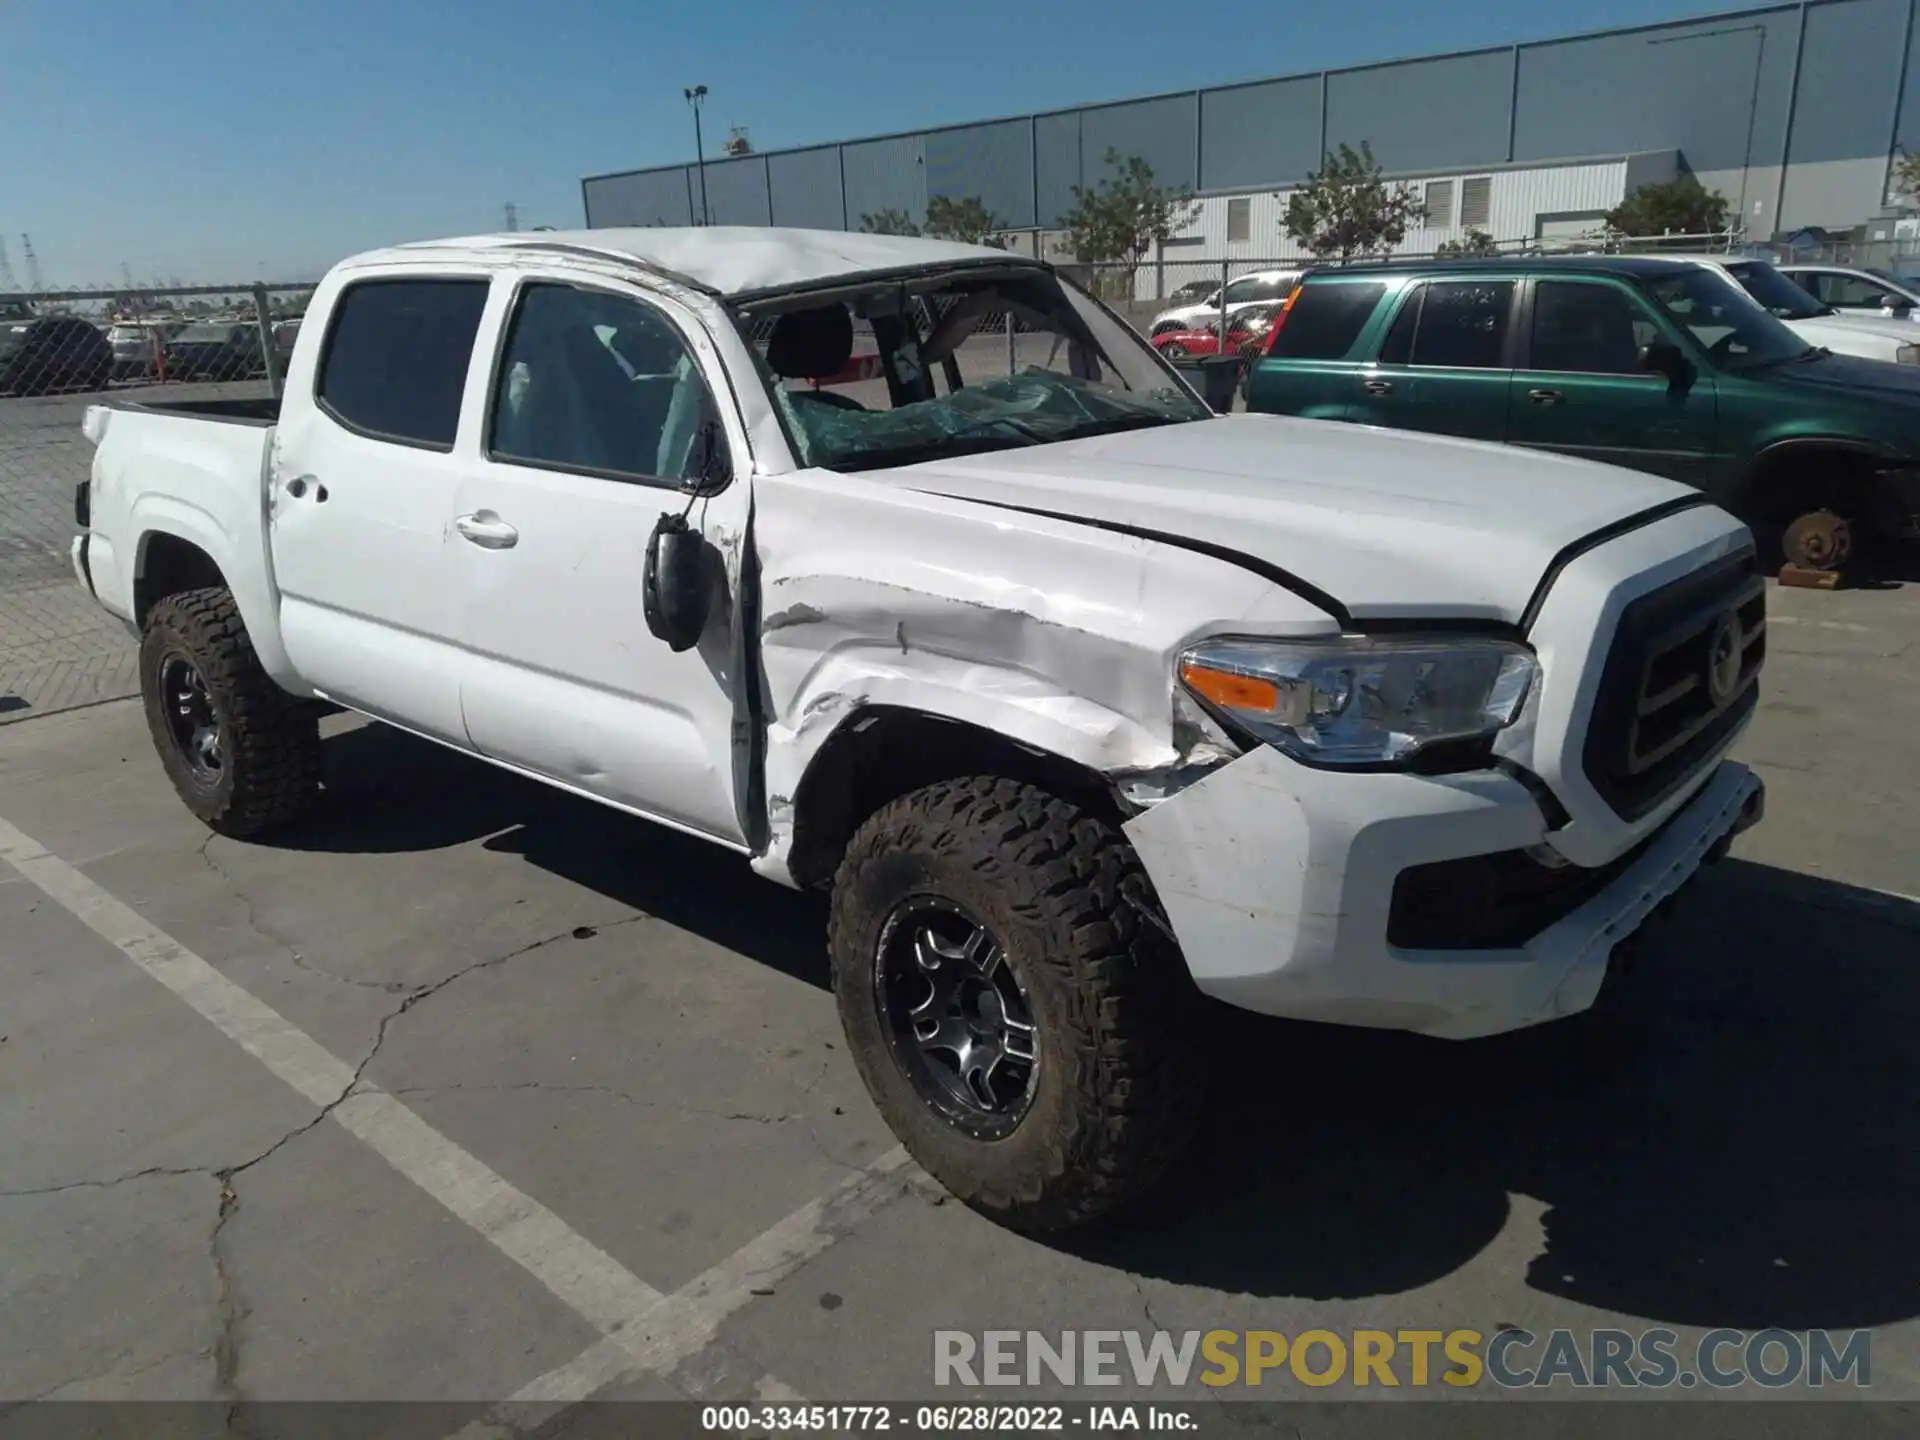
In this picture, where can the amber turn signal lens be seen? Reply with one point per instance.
(1230, 691)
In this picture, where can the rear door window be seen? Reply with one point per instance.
(396, 360)
(1463, 324)
(1324, 320)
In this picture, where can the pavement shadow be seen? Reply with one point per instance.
(388, 792)
(1741, 1147)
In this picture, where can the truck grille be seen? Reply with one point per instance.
(1684, 671)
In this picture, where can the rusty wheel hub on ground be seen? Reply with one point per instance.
(1819, 541)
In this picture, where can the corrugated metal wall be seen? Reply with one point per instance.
(993, 162)
(1723, 92)
(885, 175)
(805, 187)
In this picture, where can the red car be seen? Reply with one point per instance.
(1249, 331)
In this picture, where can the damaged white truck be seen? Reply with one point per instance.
(907, 569)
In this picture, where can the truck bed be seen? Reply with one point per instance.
(248, 410)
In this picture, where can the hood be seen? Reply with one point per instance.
(1879, 378)
(1387, 523)
(1843, 332)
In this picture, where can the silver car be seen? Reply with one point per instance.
(1856, 290)
(136, 348)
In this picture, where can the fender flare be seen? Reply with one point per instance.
(1881, 455)
(153, 515)
(1012, 706)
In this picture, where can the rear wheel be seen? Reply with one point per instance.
(1174, 350)
(1019, 1018)
(242, 753)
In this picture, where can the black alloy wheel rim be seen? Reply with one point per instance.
(956, 1016)
(192, 724)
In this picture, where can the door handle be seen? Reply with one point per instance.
(487, 530)
(1544, 397)
(1378, 387)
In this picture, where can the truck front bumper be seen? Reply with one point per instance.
(1279, 881)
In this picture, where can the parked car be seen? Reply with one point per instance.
(215, 350)
(1867, 336)
(1325, 722)
(1654, 363)
(1846, 289)
(137, 346)
(1261, 286)
(1248, 330)
(285, 332)
(54, 352)
(1194, 291)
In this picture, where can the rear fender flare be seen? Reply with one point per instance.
(156, 514)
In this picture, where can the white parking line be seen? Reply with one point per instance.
(688, 1320)
(645, 1330)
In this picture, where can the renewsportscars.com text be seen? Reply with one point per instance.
(1512, 1358)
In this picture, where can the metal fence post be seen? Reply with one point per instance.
(1010, 354)
(263, 317)
(1224, 265)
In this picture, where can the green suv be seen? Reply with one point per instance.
(1654, 364)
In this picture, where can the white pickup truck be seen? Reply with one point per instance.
(1083, 701)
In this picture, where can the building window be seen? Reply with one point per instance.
(1239, 220)
(1439, 201)
(1476, 202)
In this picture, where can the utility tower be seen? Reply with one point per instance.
(513, 217)
(34, 281)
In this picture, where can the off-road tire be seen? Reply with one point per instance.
(1120, 1083)
(270, 741)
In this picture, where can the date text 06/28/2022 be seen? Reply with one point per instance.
(961, 1419)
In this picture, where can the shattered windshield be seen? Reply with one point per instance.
(940, 365)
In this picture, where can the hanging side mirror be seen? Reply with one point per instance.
(675, 592)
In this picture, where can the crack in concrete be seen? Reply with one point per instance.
(110, 1181)
(1146, 1305)
(103, 1371)
(574, 1087)
(253, 923)
(231, 1308)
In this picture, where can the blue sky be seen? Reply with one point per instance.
(214, 141)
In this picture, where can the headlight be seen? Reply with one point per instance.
(1908, 355)
(1359, 700)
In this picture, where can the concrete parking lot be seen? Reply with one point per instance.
(468, 1090)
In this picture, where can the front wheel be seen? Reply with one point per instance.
(241, 752)
(1018, 1016)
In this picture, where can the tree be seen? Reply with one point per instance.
(1475, 242)
(966, 219)
(1906, 176)
(888, 222)
(1122, 217)
(1680, 206)
(1345, 209)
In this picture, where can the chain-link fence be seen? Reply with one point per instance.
(87, 342)
(59, 353)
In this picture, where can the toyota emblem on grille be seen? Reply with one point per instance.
(1723, 659)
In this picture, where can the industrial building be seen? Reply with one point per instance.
(1793, 112)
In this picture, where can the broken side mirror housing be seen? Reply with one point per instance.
(675, 593)
(710, 465)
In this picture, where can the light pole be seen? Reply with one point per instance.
(695, 94)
